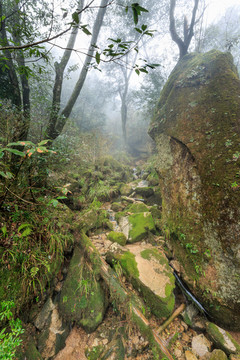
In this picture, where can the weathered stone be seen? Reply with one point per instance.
(126, 189)
(141, 225)
(218, 355)
(117, 206)
(137, 208)
(200, 345)
(189, 355)
(52, 338)
(118, 237)
(82, 299)
(222, 339)
(148, 270)
(146, 192)
(234, 357)
(91, 219)
(44, 316)
(196, 128)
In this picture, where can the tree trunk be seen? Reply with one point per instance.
(59, 73)
(128, 304)
(183, 44)
(13, 79)
(57, 121)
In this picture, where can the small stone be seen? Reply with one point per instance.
(95, 342)
(178, 353)
(200, 345)
(105, 341)
(189, 355)
(218, 355)
(185, 337)
(234, 357)
(184, 325)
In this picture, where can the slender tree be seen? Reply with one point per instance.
(182, 43)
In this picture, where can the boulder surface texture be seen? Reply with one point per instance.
(196, 128)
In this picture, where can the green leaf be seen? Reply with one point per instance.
(26, 232)
(6, 175)
(85, 30)
(15, 152)
(138, 30)
(54, 202)
(43, 142)
(97, 56)
(23, 226)
(126, 9)
(75, 17)
(61, 197)
(135, 16)
(144, 27)
(137, 71)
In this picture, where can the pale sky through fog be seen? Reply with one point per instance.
(217, 8)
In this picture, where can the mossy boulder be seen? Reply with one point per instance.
(126, 189)
(218, 354)
(140, 226)
(91, 219)
(82, 299)
(148, 270)
(197, 132)
(137, 208)
(222, 339)
(116, 206)
(117, 237)
(145, 191)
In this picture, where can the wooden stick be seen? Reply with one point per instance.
(171, 318)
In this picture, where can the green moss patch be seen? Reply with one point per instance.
(117, 237)
(142, 224)
(137, 208)
(128, 263)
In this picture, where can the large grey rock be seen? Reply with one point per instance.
(196, 128)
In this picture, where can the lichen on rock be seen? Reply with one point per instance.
(82, 299)
(196, 128)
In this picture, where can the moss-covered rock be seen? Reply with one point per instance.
(126, 189)
(91, 219)
(222, 339)
(146, 191)
(116, 206)
(117, 237)
(148, 270)
(196, 130)
(82, 299)
(137, 208)
(218, 354)
(29, 350)
(141, 225)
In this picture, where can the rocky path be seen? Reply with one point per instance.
(135, 248)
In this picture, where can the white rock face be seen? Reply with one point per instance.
(200, 345)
